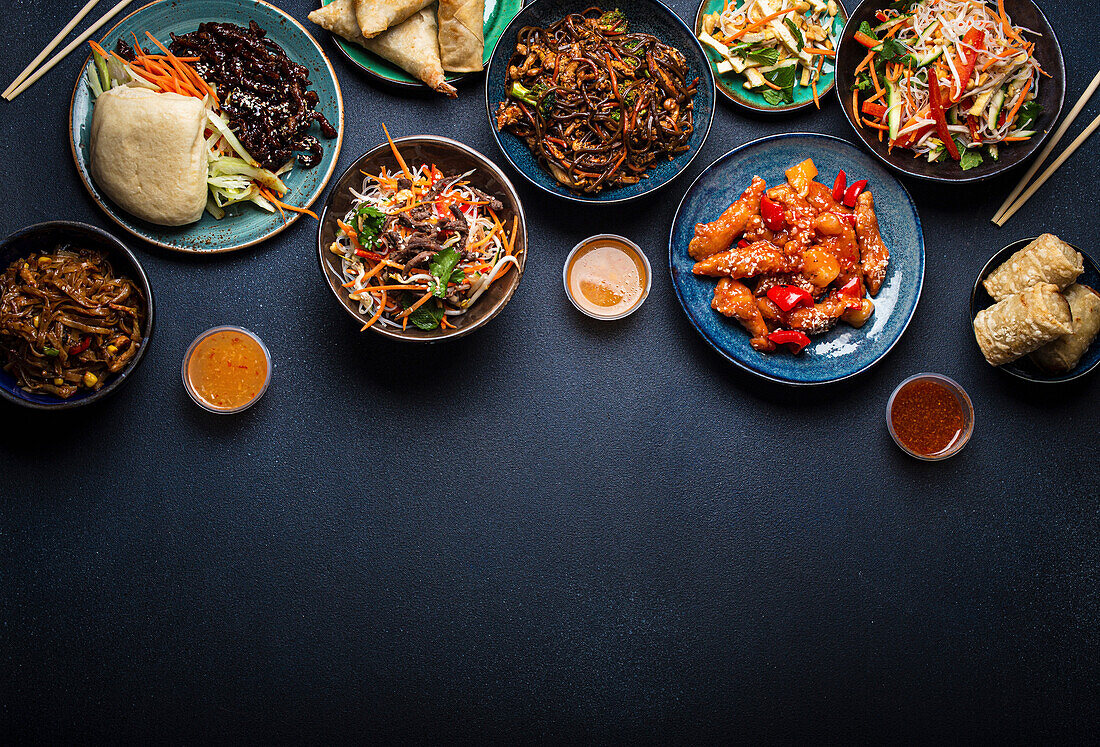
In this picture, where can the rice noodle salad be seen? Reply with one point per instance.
(419, 246)
(948, 79)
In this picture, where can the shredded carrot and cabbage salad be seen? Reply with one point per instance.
(948, 79)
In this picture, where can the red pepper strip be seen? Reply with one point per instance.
(935, 103)
(974, 38)
(369, 255)
(881, 15)
(742, 243)
(853, 192)
(867, 41)
(772, 214)
(80, 348)
(789, 297)
(853, 288)
(873, 109)
(972, 123)
(839, 186)
(797, 340)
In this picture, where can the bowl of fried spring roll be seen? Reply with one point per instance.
(1036, 310)
(416, 43)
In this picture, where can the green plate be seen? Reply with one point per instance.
(730, 84)
(498, 13)
(244, 224)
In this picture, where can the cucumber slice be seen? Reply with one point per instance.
(926, 59)
(995, 107)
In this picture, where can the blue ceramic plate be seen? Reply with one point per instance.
(45, 237)
(1024, 368)
(844, 351)
(245, 224)
(646, 16)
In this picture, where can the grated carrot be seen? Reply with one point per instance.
(396, 154)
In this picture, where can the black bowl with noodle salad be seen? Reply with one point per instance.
(443, 222)
(994, 96)
(115, 301)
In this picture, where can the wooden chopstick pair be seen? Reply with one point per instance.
(1009, 208)
(27, 78)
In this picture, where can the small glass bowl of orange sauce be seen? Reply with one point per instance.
(930, 417)
(226, 369)
(607, 277)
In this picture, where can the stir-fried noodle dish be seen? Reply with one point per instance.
(67, 322)
(598, 105)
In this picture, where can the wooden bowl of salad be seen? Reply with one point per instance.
(950, 90)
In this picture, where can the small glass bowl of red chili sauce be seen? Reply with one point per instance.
(930, 417)
(226, 369)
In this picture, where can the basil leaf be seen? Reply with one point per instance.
(441, 267)
(970, 158)
(795, 32)
(1029, 112)
(763, 55)
(784, 78)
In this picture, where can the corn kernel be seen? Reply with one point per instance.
(36, 321)
(58, 381)
(112, 349)
(90, 379)
(43, 260)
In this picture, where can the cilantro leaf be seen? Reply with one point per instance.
(441, 267)
(865, 28)
(862, 82)
(368, 222)
(893, 51)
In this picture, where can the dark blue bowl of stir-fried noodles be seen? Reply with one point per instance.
(642, 16)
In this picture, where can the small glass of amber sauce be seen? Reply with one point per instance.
(607, 277)
(930, 416)
(226, 369)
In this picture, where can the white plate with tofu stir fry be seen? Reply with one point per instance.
(771, 55)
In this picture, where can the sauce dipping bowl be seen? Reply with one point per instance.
(965, 405)
(189, 385)
(611, 238)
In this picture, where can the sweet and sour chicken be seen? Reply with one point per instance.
(795, 259)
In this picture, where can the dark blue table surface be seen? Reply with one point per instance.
(553, 528)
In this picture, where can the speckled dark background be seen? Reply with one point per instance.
(556, 527)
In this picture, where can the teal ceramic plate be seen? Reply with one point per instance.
(497, 15)
(843, 351)
(731, 84)
(245, 224)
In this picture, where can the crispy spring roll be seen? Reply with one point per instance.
(1022, 323)
(375, 16)
(1062, 355)
(1048, 259)
(462, 35)
(412, 45)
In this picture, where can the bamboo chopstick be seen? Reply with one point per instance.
(1050, 148)
(50, 47)
(69, 48)
(1047, 174)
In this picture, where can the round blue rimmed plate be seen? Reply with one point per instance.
(844, 351)
(245, 224)
(497, 15)
(1024, 368)
(731, 85)
(646, 16)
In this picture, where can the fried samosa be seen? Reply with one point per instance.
(375, 16)
(462, 35)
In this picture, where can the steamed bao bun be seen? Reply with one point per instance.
(148, 154)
